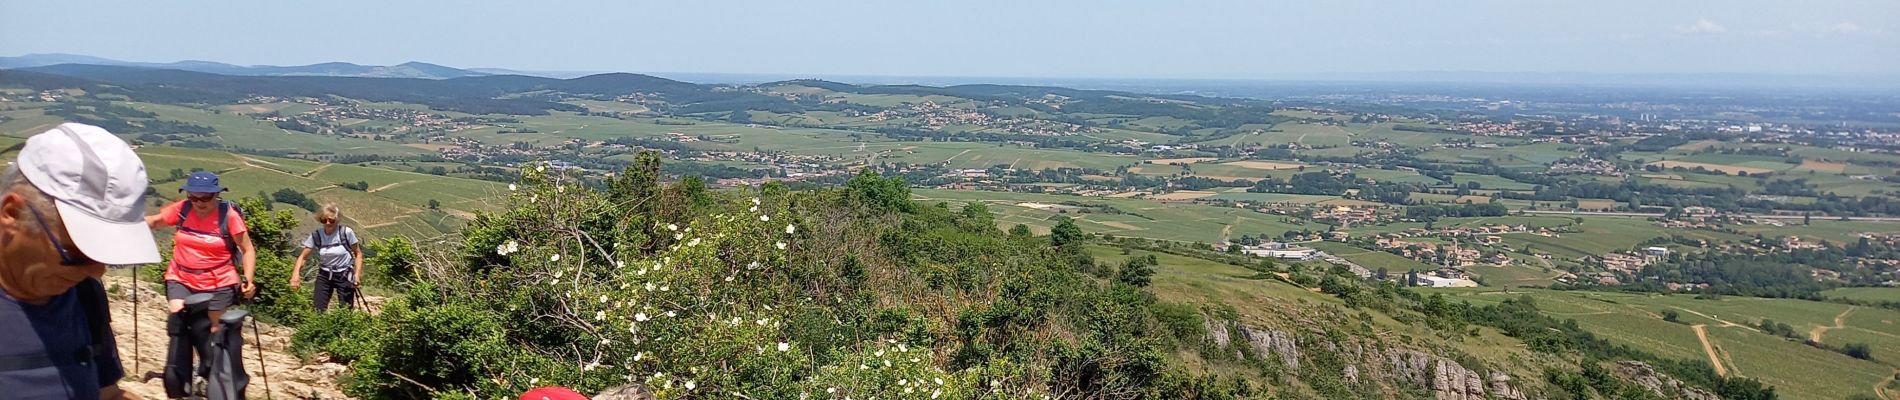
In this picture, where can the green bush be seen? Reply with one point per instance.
(346, 335)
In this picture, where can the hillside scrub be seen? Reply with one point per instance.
(770, 293)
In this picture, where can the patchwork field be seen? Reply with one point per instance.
(1726, 169)
(1132, 217)
(1795, 369)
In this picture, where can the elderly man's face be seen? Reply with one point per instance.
(31, 264)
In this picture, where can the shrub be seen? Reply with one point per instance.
(346, 335)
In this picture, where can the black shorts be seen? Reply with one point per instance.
(221, 298)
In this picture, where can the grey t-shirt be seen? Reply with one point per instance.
(333, 252)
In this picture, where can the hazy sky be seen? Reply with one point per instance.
(1158, 39)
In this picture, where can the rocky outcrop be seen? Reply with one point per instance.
(1447, 379)
(1217, 330)
(1270, 343)
(1649, 378)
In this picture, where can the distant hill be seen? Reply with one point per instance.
(411, 69)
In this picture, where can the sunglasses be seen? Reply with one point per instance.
(327, 221)
(66, 257)
(204, 197)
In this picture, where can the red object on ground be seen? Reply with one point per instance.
(552, 393)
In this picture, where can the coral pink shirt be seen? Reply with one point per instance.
(200, 259)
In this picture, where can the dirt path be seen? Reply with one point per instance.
(947, 161)
(1840, 321)
(1880, 388)
(140, 330)
(1725, 323)
(1703, 335)
(386, 187)
(318, 170)
(1228, 230)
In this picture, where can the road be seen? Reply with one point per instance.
(1764, 216)
(1702, 335)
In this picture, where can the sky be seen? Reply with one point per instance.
(989, 38)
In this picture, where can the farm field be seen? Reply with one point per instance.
(1139, 217)
(1865, 293)
(376, 212)
(1371, 259)
(1796, 370)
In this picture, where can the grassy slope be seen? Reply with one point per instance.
(1797, 370)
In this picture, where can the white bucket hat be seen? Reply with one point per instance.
(99, 187)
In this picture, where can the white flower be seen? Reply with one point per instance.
(600, 315)
(620, 264)
(677, 236)
(753, 265)
(695, 242)
(831, 390)
(511, 187)
(672, 227)
(501, 249)
(862, 366)
(665, 287)
(939, 381)
(540, 168)
(532, 381)
(590, 366)
(763, 321)
(902, 348)
(642, 317)
(880, 353)
(671, 314)
(790, 229)
(753, 209)
(649, 286)
(935, 393)
(555, 282)
(755, 201)
(782, 346)
(765, 218)
(903, 381)
(908, 390)
(887, 363)
(728, 278)
(557, 273)
(781, 245)
(640, 355)
(556, 257)
(690, 385)
(642, 271)
(603, 299)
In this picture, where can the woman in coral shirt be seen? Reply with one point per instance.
(202, 249)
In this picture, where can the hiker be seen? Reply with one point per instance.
(71, 205)
(339, 260)
(211, 242)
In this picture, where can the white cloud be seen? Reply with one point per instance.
(1843, 28)
(1702, 26)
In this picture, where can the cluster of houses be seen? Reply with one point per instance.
(40, 96)
(1348, 216)
(329, 115)
(1488, 128)
(1590, 166)
(1275, 250)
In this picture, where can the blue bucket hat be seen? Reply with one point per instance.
(202, 182)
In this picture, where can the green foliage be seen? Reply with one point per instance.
(346, 335)
(1065, 233)
(879, 193)
(1137, 271)
(1858, 350)
(392, 260)
(1020, 231)
(443, 348)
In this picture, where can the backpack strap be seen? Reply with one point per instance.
(224, 230)
(92, 300)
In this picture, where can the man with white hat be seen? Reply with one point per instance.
(73, 203)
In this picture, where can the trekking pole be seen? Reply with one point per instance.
(135, 321)
(262, 369)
